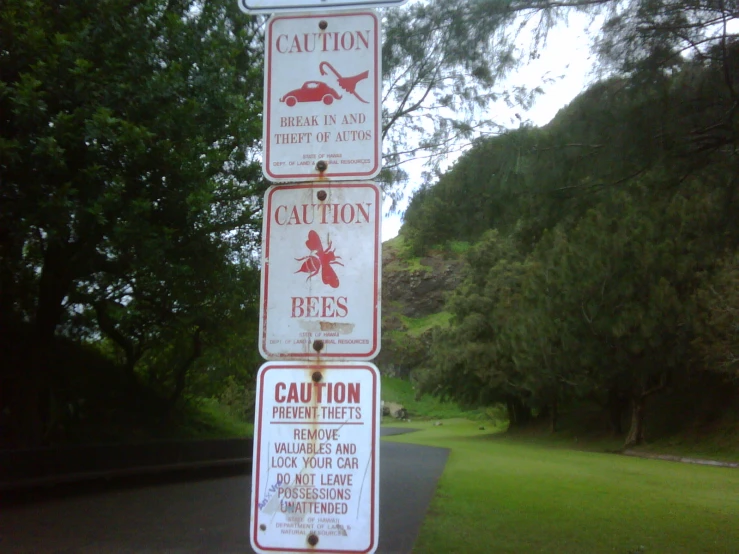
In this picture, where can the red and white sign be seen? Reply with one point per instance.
(271, 6)
(322, 97)
(321, 268)
(315, 468)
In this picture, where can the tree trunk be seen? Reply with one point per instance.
(518, 413)
(638, 411)
(54, 286)
(25, 413)
(11, 250)
(524, 413)
(181, 372)
(511, 412)
(554, 415)
(615, 407)
(31, 405)
(639, 407)
(131, 349)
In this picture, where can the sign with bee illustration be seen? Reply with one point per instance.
(321, 272)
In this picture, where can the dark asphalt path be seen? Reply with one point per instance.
(209, 514)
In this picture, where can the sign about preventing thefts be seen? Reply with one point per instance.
(322, 104)
(316, 458)
(321, 268)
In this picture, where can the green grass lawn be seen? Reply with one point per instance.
(500, 495)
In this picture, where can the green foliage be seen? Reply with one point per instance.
(405, 350)
(92, 400)
(466, 363)
(717, 343)
(130, 205)
(129, 188)
(238, 399)
(479, 192)
(419, 325)
(459, 247)
(442, 61)
(421, 406)
(209, 419)
(599, 239)
(399, 256)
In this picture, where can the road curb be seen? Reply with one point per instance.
(682, 459)
(30, 468)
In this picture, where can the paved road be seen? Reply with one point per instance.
(205, 515)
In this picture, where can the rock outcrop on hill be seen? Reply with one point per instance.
(417, 291)
(414, 292)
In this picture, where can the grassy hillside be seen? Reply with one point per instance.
(424, 406)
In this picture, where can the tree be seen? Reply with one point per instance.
(615, 214)
(445, 61)
(127, 183)
(469, 360)
(618, 286)
(717, 338)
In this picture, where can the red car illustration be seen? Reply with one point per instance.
(311, 91)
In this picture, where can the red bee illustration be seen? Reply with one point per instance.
(321, 261)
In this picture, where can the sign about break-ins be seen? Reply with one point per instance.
(322, 110)
(316, 466)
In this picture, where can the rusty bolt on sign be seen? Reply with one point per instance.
(312, 539)
(263, 527)
(317, 345)
(322, 24)
(321, 194)
(321, 165)
(316, 376)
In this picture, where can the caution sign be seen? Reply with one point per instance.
(322, 115)
(316, 469)
(321, 267)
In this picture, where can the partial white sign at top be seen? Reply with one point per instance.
(279, 6)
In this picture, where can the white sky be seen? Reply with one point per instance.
(566, 55)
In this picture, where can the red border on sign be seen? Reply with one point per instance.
(268, 108)
(374, 347)
(258, 451)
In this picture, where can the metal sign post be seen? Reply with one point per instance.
(316, 467)
(322, 113)
(315, 484)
